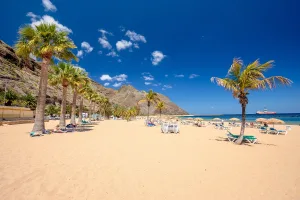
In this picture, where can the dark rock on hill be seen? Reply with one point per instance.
(23, 77)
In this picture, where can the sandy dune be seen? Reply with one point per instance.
(126, 160)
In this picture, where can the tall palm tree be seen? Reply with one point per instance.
(79, 78)
(62, 74)
(150, 97)
(160, 106)
(91, 95)
(82, 91)
(44, 42)
(241, 79)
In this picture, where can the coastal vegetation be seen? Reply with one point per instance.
(241, 79)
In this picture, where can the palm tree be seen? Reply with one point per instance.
(62, 75)
(150, 97)
(105, 107)
(160, 106)
(44, 42)
(82, 91)
(79, 78)
(241, 79)
(91, 95)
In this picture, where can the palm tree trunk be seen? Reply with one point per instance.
(90, 112)
(80, 111)
(148, 109)
(62, 122)
(73, 115)
(240, 139)
(39, 123)
(160, 113)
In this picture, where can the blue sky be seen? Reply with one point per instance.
(130, 41)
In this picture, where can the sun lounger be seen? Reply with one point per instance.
(173, 128)
(277, 132)
(263, 130)
(247, 138)
(165, 128)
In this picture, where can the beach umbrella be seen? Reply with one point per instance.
(216, 119)
(275, 121)
(234, 119)
(261, 120)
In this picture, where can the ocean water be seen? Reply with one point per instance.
(288, 118)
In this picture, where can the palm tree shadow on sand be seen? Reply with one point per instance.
(224, 139)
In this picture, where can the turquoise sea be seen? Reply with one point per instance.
(288, 118)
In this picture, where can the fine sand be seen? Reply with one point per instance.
(119, 160)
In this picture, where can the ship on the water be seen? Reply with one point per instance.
(265, 112)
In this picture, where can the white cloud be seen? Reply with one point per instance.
(105, 44)
(148, 78)
(147, 83)
(157, 57)
(117, 84)
(119, 60)
(193, 76)
(123, 44)
(136, 45)
(112, 54)
(48, 5)
(133, 36)
(87, 47)
(46, 19)
(106, 84)
(79, 53)
(33, 17)
(105, 77)
(178, 75)
(156, 84)
(167, 87)
(122, 28)
(121, 77)
(104, 33)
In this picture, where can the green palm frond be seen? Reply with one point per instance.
(240, 80)
(44, 41)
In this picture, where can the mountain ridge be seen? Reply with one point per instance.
(23, 77)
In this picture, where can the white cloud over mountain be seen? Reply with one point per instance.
(165, 87)
(49, 6)
(123, 44)
(117, 84)
(119, 78)
(157, 57)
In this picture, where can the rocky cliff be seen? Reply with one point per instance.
(23, 77)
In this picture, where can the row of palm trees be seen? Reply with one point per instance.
(46, 43)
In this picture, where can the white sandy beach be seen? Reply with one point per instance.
(125, 160)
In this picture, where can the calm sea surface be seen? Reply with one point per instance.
(288, 118)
